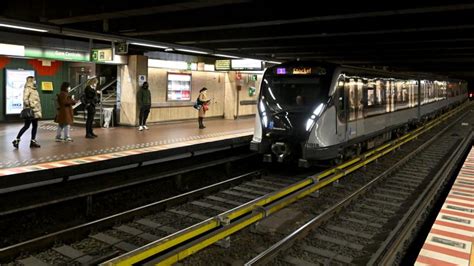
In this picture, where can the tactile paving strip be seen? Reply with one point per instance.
(450, 241)
(64, 160)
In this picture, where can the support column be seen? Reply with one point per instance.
(230, 103)
(129, 75)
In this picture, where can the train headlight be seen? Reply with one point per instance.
(264, 114)
(317, 112)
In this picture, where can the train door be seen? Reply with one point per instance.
(341, 110)
(390, 94)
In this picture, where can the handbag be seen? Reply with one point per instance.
(27, 113)
(197, 106)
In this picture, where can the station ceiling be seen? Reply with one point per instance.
(427, 36)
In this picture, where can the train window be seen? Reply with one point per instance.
(402, 95)
(351, 89)
(360, 98)
(376, 98)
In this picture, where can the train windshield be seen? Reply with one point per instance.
(297, 94)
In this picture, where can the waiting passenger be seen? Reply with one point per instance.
(203, 101)
(90, 100)
(31, 100)
(144, 103)
(65, 115)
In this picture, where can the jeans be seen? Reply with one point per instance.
(60, 128)
(144, 111)
(25, 127)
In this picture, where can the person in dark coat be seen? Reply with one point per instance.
(91, 100)
(64, 116)
(144, 103)
(31, 99)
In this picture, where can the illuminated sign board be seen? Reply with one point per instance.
(102, 55)
(302, 71)
(10, 49)
(281, 71)
(56, 54)
(246, 64)
(222, 65)
(16, 80)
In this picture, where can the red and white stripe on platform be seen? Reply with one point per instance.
(450, 241)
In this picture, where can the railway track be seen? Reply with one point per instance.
(110, 237)
(218, 229)
(371, 225)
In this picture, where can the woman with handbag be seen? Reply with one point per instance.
(31, 100)
(203, 101)
(65, 115)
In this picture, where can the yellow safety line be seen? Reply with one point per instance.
(471, 261)
(163, 244)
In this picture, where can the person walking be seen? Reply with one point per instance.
(90, 100)
(203, 101)
(64, 116)
(144, 103)
(31, 100)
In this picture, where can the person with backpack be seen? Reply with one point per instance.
(65, 115)
(31, 100)
(144, 103)
(203, 106)
(90, 99)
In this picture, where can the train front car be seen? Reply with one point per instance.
(293, 96)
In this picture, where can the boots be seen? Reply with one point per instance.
(34, 144)
(15, 143)
(201, 125)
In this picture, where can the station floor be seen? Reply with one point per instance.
(110, 140)
(451, 238)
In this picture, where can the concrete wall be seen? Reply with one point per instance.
(169, 111)
(137, 65)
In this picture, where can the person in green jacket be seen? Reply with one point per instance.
(144, 103)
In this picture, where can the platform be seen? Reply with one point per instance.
(114, 147)
(450, 241)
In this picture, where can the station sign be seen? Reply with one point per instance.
(102, 55)
(222, 65)
(238, 64)
(121, 48)
(56, 54)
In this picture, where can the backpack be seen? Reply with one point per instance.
(198, 104)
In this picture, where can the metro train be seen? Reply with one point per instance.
(313, 111)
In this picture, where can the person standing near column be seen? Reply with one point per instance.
(204, 102)
(31, 100)
(144, 103)
(91, 99)
(64, 116)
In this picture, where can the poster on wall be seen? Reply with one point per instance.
(179, 87)
(14, 89)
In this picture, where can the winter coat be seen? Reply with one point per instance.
(91, 96)
(204, 101)
(64, 112)
(143, 97)
(32, 100)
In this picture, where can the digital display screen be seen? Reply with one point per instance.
(16, 80)
(281, 71)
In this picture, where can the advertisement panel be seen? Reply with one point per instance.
(14, 89)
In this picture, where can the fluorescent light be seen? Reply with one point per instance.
(228, 56)
(10, 49)
(274, 62)
(22, 28)
(192, 51)
(149, 45)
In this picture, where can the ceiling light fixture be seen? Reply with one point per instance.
(228, 56)
(149, 45)
(274, 62)
(22, 28)
(192, 51)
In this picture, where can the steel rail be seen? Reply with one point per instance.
(84, 229)
(225, 222)
(271, 252)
